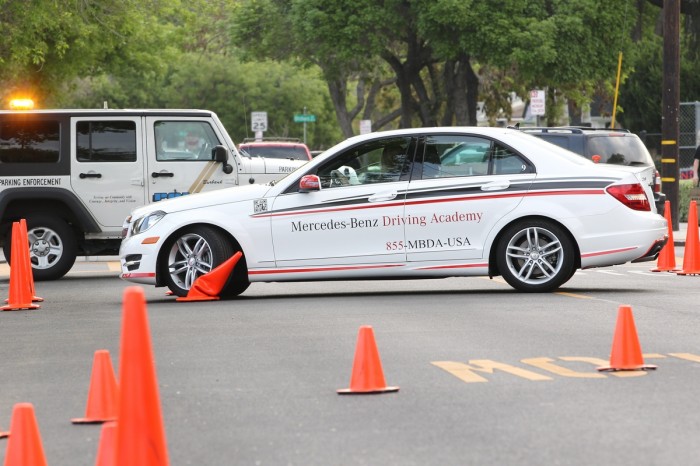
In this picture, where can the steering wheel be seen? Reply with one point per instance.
(204, 152)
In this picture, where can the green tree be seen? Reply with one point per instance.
(49, 42)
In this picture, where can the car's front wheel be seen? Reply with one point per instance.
(196, 251)
(535, 256)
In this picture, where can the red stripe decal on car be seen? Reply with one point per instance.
(452, 266)
(612, 251)
(321, 269)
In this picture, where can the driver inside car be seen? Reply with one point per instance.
(393, 158)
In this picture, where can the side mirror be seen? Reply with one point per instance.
(220, 154)
(309, 183)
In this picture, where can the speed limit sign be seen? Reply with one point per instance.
(258, 121)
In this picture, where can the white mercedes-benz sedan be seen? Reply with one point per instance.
(415, 203)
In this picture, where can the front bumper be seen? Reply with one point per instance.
(138, 261)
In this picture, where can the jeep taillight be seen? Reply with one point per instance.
(631, 195)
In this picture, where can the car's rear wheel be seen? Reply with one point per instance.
(196, 251)
(535, 256)
(52, 247)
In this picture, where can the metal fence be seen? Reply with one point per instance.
(689, 128)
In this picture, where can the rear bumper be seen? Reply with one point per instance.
(653, 251)
(660, 202)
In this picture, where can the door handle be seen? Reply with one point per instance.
(496, 186)
(162, 174)
(383, 196)
(90, 175)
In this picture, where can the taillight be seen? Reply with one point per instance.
(657, 182)
(631, 195)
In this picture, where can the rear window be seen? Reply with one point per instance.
(561, 141)
(619, 150)
(30, 141)
(277, 152)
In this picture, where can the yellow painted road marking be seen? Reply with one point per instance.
(114, 266)
(597, 362)
(573, 295)
(467, 373)
(686, 356)
(546, 364)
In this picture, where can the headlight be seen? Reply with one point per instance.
(146, 222)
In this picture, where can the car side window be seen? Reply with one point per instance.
(105, 141)
(184, 140)
(30, 141)
(383, 161)
(506, 162)
(449, 156)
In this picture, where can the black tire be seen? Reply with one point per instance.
(535, 256)
(196, 251)
(52, 247)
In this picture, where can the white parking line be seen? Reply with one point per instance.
(653, 274)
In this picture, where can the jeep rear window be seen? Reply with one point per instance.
(106, 141)
(619, 150)
(35, 141)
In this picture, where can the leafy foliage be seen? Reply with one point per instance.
(396, 62)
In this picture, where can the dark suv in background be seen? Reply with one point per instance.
(604, 145)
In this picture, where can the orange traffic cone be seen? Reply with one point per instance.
(367, 375)
(691, 254)
(20, 294)
(626, 354)
(28, 260)
(140, 438)
(105, 450)
(667, 256)
(103, 392)
(208, 286)
(24, 447)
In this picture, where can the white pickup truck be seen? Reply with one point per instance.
(75, 175)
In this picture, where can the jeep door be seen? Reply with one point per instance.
(356, 217)
(180, 157)
(107, 167)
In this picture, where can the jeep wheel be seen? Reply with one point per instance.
(197, 251)
(52, 247)
(535, 256)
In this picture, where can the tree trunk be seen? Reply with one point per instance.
(472, 92)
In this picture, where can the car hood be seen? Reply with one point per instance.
(194, 201)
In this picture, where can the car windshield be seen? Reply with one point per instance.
(277, 152)
(619, 150)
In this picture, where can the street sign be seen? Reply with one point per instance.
(304, 118)
(365, 126)
(258, 121)
(537, 102)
